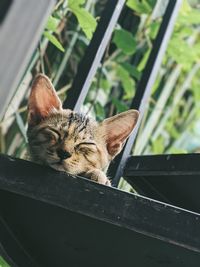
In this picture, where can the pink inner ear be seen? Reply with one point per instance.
(114, 148)
(43, 99)
(117, 130)
(45, 102)
(115, 142)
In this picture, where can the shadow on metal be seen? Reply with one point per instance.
(54, 219)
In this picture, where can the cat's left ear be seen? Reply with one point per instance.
(117, 129)
(42, 100)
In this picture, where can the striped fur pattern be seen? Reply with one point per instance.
(71, 142)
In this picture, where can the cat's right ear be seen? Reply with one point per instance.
(43, 99)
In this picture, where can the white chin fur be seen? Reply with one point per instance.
(58, 167)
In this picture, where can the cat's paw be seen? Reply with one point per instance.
(99, 177)
(108, 183)
(102, 179)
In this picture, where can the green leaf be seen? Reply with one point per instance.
(86, 21)
(125, 41)
(195, 90)
(152, 3)
(141, 7)
(105, 84)
(182, 53)
(120, 106)
(52, 24)
(127, 82)
(158, 145)
(154, 27)
(183, 32)
(144, 60)
(174, 150)
(54, 40)
(185, 8)
(191, 18)
(3, 263)
(132, 70)
(100, 111)
(188, 15)
(76, 2)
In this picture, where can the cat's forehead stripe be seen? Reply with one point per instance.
(70, 119)
(81, 128)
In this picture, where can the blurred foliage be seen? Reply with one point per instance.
(3, 263)
(86, 21)
(171, 121)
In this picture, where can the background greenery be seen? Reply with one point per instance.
(171, 123)
(172, 120)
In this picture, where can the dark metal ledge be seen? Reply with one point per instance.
(173, 179)
(29, 191)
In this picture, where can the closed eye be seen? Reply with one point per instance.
(86, 143)
(52, 135)
(49, 130)
(86, 147)
(53, 131)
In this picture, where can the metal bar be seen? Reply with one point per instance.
(163, 165)
(19, 35)
(9, 242)
(148, 78)
(170, 178)
(93, 55)
(132, 212)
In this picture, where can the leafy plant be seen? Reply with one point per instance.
(125, 41)
(50, 29)
(85, 19)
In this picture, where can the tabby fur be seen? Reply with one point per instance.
(72, 142)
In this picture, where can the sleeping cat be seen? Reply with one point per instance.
(69, 141)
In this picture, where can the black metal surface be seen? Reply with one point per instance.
(93, 55)
(63, 220)
(146, 83)
(9, 242)
(174, 179)
(82, 196)
(57, 237)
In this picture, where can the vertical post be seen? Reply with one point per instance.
(148, 78)
(93, 55)
(15, 53)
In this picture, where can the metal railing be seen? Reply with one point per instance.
(93, 56)
(10, 51)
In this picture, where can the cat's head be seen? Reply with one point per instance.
(69, 141)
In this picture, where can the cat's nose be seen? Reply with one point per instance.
(63, 154)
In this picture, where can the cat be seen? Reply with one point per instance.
(69, 141)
